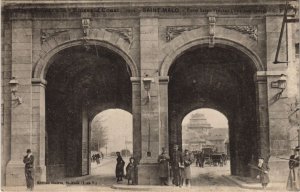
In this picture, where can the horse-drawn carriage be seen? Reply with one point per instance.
(214, 158)
(217, 159)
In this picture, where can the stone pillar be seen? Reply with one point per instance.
(263, 115)
(21, 114)
(85, 151)
(163, 109)
(39, 127)
(136, 117)
(150, 125)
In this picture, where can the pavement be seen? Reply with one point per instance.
(210, 179)
(247, 183)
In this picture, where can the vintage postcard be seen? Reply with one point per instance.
(150, 95)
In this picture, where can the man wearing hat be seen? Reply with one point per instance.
(293, 183)
(29, 172)
(176, 163)
(163, 163)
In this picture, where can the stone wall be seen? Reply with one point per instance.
(149, 40)
(6, 95)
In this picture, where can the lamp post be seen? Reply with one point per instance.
(14, 84)
(147, 85)
(280, 84)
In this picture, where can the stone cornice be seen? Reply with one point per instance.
(163, 79)
(36, 81)
(74, 3)
(270, 73)
(135, 80)
(101, 9)
(92, 5)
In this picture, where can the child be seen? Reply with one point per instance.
(130, 171)
(264, 172)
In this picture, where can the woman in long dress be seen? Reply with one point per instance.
(120, 167)
(264, 172)
(293, 183)
(131, 171)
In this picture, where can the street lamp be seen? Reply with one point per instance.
(279, 84)
(14, 84)
(147, 85)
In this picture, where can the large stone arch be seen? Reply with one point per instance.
(177, 47)
(105, 106)
(102, 38)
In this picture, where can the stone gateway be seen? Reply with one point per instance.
(158, 60)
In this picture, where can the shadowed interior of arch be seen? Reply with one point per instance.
(82, 81)
(221, 79)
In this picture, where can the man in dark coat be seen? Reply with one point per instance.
(29, 170)
(163, 162)
(120, 167)
(176, 163)
(187, 161)
(201, 159)
(293, 183)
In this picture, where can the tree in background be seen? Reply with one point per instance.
(98, 134)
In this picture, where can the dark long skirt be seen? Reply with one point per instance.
(293, 183)
(120, 170)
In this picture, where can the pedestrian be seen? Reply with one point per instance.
(197, 157)
(176, 163)
(29, 170)
(201, 159)
(119, 167)
(163, 162)
(131, 171)
(293, 183)
(187, 161)
(97, 156)
(263, 172)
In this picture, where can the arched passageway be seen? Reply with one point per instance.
(82, 82)
(205, 128)
(221, 78)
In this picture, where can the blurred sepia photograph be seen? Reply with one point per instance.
(150, 95)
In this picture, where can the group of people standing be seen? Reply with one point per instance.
(96, 157)
(180, 167)
(200, 159)
(131, 170)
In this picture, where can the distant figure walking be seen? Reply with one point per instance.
(131, 171)
(201, 159)
(264, 172)
(293, 183)
(29, 170)
(120, 167)
(163, 162)
(97, 156)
